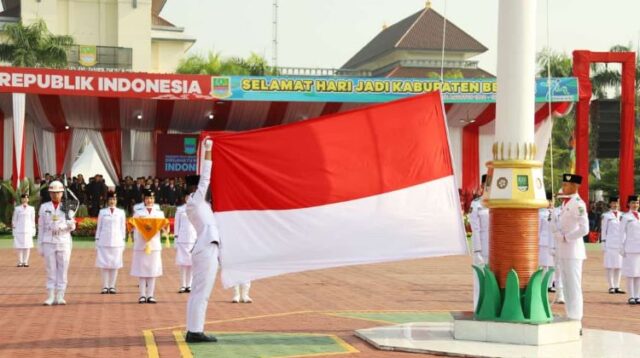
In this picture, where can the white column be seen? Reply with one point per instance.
(515, 106)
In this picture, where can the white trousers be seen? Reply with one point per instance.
(633, 287)
(23, 255)
(109, 277)
(56, 260)
(186, 275)
(613, 277)
(571, 271)
(147, 286)
(205, 269)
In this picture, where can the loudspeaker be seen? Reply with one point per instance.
(605, 119)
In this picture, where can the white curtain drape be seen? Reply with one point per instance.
(95, 137)
(455, 140)
(137, 153)
(46, 144)
(78, 138)
(19, 102)
(7, 148)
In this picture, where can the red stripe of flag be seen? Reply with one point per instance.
(333, 159)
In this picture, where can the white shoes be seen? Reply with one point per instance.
(55, 299)
(60, 298)
(236, 294)
(241, 294)
(50, 298)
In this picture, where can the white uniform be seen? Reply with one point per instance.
(54, 240)
(611, 239)
(546, 244)
(631, 253)
(140, 206)
(631, 245)
(143, 264)
(23, 224)
(205, 252)
(479, 220)
(569, 229)
(110, 238)
(147, 266)
(185, 238)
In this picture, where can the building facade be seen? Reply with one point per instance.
(109, 34)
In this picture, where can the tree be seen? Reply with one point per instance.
(34, 46)
(215, 64)
(559, 64)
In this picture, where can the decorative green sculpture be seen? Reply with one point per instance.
(511, 304)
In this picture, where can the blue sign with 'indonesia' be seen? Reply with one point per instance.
(176, 155)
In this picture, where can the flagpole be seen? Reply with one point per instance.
(515, 186)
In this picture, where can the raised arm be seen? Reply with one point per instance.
(205, 172)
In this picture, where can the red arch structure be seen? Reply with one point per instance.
(581, 64)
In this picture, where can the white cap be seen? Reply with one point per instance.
(56, 187)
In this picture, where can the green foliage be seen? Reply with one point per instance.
(559, 64)
(168, 210)
(86, 228)
(82, 211)
(603, 78)
(9, 197)
(34, 46)
(4, 229)
(215, 64)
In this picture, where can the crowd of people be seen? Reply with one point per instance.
(563, 229)
(195, 231)
(93, 194)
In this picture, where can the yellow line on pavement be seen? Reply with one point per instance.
(150, 342)
(237, 319)
(185, 352)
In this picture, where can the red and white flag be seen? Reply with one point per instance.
(366, 186)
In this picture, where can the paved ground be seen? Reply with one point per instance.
(329, 304)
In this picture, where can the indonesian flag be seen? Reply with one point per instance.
(365, 186)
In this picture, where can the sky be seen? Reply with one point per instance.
(326, 33)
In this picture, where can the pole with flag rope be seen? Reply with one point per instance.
(515, 187)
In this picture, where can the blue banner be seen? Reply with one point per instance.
(373, 90)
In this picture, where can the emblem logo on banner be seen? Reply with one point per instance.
(523, 183)
(88, 56)
(220, 87)
(190, 146)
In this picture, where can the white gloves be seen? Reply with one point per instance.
(477, 259)
(623, 253)
(552, 252)
(207, 144)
